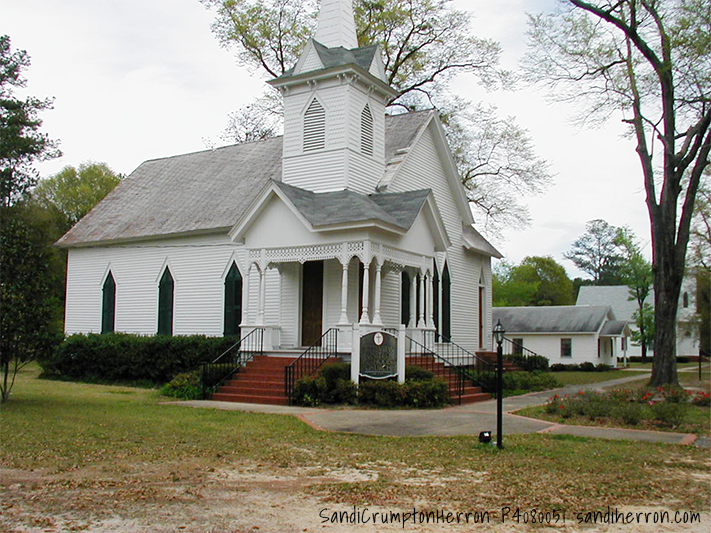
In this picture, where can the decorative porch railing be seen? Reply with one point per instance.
(310, 361)
(239, 354)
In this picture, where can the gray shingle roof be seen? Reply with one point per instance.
(613, 328)
(340, 207)
(203, 191)
(401, 130)
(615, 296)
(562, 319)
(338, 56)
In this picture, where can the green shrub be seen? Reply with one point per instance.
(701, 399)
(518, 381)
(603, 368)
(629, 412)
(426, 394)
(596, 404)
(386, 393)
(124, 357)
(332, 372)
(417, 373)
(529, 363)
(673, 394)
(559, 367)
(587, 366)
(346, 392)
(669, 413)
(310, 392)
(186, 386)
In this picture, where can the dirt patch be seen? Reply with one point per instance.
(249, 497)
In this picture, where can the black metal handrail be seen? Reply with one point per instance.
(459, 356)
(227, 363)
(310, 361)
(439, 366)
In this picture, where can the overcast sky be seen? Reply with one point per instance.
(142, 79)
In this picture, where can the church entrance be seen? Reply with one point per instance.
(311, 302)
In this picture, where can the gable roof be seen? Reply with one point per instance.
(559, 319)
(343, 207)
(616, 296)
(196, 193)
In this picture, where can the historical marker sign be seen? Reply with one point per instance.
(378, 355)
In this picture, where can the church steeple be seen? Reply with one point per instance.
(334, 108)
(336, 25)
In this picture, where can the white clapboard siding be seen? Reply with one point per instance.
(198, 266)
(423, 169)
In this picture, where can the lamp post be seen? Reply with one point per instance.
(499, 337)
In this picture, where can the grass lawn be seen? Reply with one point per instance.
(583, 378)
(79, 456)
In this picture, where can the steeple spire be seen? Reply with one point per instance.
(336, 25)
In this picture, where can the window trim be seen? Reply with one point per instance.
(563, 342)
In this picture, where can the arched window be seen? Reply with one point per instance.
(233, 301)
(108, 305)
(165, 303)
(446, 304)
(405, 299)
(366, 131)
(314, 127)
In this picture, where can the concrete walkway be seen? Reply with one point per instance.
(460, 420)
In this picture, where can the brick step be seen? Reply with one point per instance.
(250, 398)
(237, 386)
(473, 398)
(260, 375)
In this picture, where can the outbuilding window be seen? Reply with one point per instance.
(566, 347)
(108, 305)
(165, 303)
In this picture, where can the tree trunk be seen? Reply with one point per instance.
(668, 276)
(644, 350)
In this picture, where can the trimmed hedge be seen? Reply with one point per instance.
(582, 367)
(529, 363)
(333, 386)
(519, 381)
(124, 357)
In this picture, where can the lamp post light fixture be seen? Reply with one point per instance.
(499, 337)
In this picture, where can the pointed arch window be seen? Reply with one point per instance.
(166, 289)
(233, 301)
(108, 305)
(366, 131)
(446, 304)
(314, 127)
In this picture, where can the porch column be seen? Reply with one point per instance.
(421, 319)
(430, 301)
(344, 294)
(262, 295)
(377, 319)
(413, 302)
(364, 317)
(245, 298)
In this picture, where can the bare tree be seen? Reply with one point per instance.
(649, 60)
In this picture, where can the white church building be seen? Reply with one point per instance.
(353, 220)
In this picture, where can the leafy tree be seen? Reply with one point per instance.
(643, 336)
(598, 253)
(649, 61)
(537, 281)
(21, 142)
(424, 43)
(72, 193)
(637, 275)
(26, 308)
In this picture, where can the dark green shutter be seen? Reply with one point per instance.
(165, 304)
(435, 303)
(108, 305)
(446, 304)
(233, 301)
